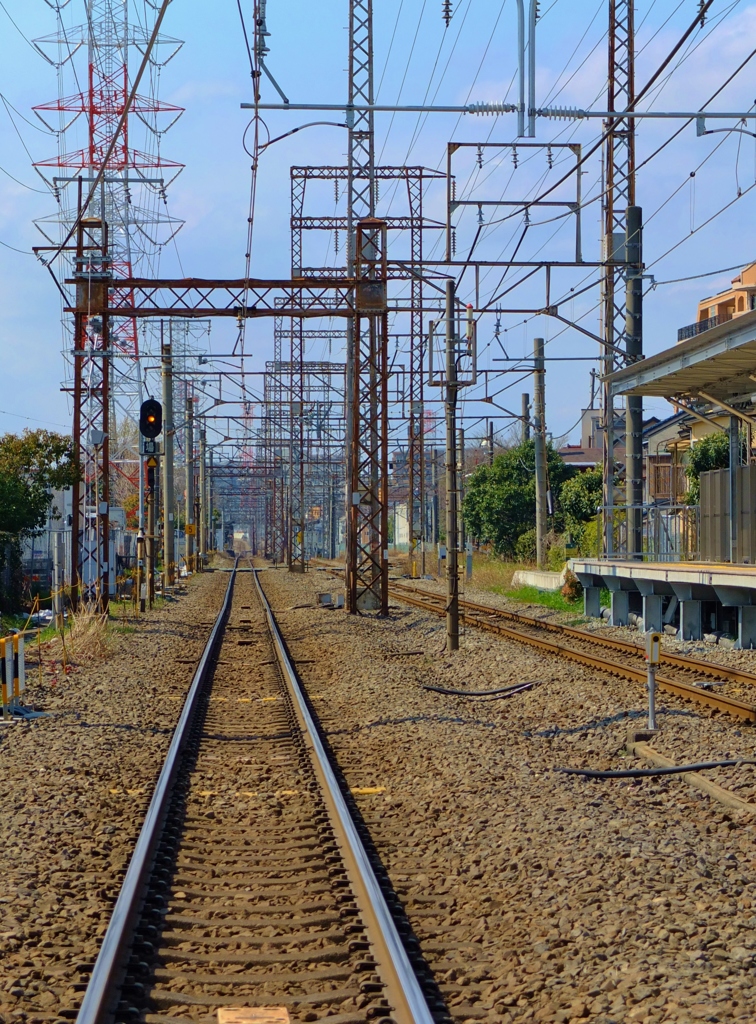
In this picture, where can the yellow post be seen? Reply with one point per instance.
(4, 666)
(16, 669)
(39, 655)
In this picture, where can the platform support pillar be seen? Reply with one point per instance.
(652, 613)
(620, 607)
(592, 602)
(746, 627)
(690, 620)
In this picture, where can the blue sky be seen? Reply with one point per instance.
(416, 57)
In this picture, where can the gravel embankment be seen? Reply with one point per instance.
(74, 787)
(547, 898)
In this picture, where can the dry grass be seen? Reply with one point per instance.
(491, 573)
(86, 639)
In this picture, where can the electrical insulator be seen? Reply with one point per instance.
(336, 190)
(454, 241)
(514, 156)
(470, 323)
(550, 158)
(336, 240)
(446, 9)
(480, 214)
(480, 157)
(454, 188)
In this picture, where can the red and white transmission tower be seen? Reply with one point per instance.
(117, 236)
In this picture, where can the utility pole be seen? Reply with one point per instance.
(490, 443)
(296, 554)
(58, 581)
(169, 550)
(189, 460)
(151, 530)
(202, 490)
(434, 497)
(141, 586)
(734, 439)
(540, 450)
(461, 488)
(210, 505)
(634, 403)
(452, 497)
(525, 417)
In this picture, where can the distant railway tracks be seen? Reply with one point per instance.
(250, 885)
(717, 686)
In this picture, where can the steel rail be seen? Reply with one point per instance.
(99, 1004)
(682, 661)
(434, 603)
(402, 987)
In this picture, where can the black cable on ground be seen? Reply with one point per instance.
(502, 692)
(643, 773)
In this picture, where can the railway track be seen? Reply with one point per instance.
(681, 675)
(250, 885)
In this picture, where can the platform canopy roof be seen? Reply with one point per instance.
(717, 364)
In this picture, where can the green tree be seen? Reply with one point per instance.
(499, 502)
(711, 452)
(580, 498)
(32, 465)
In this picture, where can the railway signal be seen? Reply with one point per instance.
(150, 418)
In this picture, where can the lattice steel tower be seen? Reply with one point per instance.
(119, 229)
(619, 196)
(367, 413)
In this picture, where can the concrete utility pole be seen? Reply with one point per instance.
(540, 450)
(634, 403)
(461, 488)
(151, 478)
(525, 417)
(189, 460)
(141, 586)
(452, 497)
(734, 439)
(58, 568)
(169, 549)
(210, 506)
(202, 537)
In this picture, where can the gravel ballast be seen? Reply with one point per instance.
(75, 786)
(536, 896)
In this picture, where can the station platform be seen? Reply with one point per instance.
(697, 594)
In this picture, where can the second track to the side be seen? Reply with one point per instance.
(674, 676)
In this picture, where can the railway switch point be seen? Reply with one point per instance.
(640, 736)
